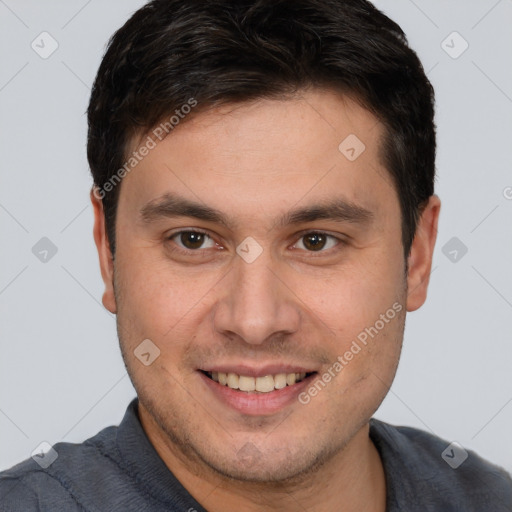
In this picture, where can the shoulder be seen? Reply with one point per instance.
(444, 474)
(53, 482)
(25, 488)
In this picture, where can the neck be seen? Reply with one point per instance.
(352, 479)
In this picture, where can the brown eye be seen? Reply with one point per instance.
(317, 242)
(314, 241)
(192, 240)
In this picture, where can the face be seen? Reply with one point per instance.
(251, 248)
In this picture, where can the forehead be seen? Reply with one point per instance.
(266, 155)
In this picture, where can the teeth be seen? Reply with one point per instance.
(246, 383)
(233, 381)
(264, 384)
(280, 381)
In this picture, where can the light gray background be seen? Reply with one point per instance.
(61, 374)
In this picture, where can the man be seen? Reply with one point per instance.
(265, 217)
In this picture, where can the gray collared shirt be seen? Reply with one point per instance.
(119, 470)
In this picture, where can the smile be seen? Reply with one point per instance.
(264, 384)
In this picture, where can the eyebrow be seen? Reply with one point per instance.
(339, 210)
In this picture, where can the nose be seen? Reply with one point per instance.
(257, 303)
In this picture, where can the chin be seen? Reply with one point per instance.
(268, 465)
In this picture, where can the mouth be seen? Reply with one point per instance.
(257, 385)
(251, 391)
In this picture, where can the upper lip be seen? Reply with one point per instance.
(251, 371)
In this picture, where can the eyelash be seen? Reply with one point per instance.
(301, 235)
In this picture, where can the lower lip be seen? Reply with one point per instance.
(256, 404)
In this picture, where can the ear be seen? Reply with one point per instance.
(104, 253)
(420, 257)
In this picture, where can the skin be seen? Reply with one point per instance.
(255, 162)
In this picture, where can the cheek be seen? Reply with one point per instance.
(352, 298)
(158, 302)
(363, 305)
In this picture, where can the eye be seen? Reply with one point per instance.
(192, 240)
(317, 242)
